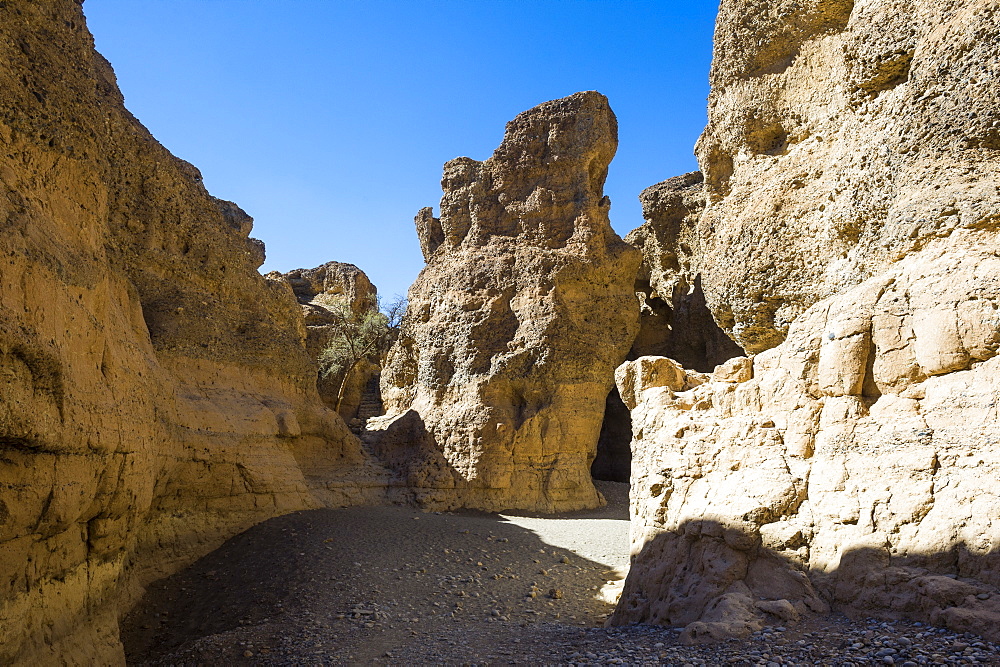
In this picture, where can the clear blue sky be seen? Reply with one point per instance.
(328, 121)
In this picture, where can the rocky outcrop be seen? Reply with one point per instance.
(157, 396)
(499, 377)
(851, 465)
(333, 281)
(316, 291)
(849, 243)
(842, 136)
(676, 321)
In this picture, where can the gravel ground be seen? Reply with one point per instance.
(393, 585)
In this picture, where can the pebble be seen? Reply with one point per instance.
(448, 611)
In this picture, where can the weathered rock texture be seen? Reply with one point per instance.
(676, 321)
(498, 380)
(851, 164)
(156, 393)
(854, 464)
(842, 135)
(315, 290)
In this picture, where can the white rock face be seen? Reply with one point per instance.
(854, 465)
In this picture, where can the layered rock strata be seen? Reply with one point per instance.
(498, 380)
(156, 393)
(850, 244)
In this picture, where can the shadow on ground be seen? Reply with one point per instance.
(363, 584)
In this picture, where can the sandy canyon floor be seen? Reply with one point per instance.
(394, 585)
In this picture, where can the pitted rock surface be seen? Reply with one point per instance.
(496, 386)
(849, 243)
(676, 321)
(852, 466)
(842, 136)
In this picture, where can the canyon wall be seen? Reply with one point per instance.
(496, 387)
(849, 243)
(843, 135)
(675, 320)
(157, 395)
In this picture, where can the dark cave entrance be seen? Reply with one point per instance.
(614, 446)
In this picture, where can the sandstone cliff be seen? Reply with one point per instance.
(496, 387)
(849, 242)
(157, 395)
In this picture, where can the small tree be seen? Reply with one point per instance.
(356, 337)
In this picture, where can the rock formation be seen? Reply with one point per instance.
(315, 290)
(842, 136)
(498, 381)
(849, 243)
(157, 396)
(675, 320)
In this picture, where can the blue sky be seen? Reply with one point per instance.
(328, 121)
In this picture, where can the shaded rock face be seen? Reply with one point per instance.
(157, 396)
(514, 327)
(842, 136)
(849, 242)
(315, 289)
(613, 462)
(676, 321)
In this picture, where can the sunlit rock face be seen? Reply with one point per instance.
(156, 394)
(843, 135)
(849, 244)
(517, 322)
(853, 465)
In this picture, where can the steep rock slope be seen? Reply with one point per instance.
(157, 396)
(496, 386)
(852, 213)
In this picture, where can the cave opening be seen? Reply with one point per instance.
(613, 462)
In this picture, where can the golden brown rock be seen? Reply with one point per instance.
(315, 290)
(514, 327)
(156, 394)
